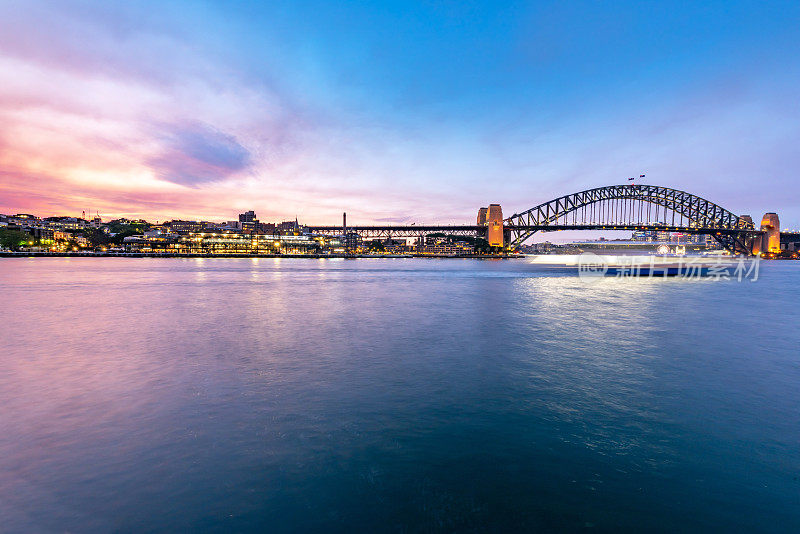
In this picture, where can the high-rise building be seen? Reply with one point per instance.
(248, 221)
(351, 241)
(248, 216)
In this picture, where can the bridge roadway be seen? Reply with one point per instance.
(414, 230)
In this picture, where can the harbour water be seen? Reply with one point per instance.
(399, 395)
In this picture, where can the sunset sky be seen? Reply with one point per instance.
(392, 111)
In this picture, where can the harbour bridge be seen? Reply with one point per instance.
(614, 207)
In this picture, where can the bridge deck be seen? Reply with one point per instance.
(616, 207)
(416, 230)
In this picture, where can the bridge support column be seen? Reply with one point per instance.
(482, 212)
(494, 222)
(758, 246)
(771, 226)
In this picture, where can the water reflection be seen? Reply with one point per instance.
(431, 395)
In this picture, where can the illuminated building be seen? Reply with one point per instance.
(248, 216)
(40, 233)
(221, 243)
(67, 223)
(443, 246)
(647, 236)
(184, 227)
(288, 227)
(248, 221)
(351, 241)
(790, 242)
(266, 228)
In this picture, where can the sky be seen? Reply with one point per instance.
(395, 112)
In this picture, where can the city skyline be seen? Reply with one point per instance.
(391, 112)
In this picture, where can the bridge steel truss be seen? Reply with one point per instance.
(616, 207)
(645, 207)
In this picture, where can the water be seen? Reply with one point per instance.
(394, 395)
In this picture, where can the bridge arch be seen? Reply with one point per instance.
(637, 206)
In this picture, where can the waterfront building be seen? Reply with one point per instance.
(66, 223)
(539, 248)
(267, 228)
(221, 243)
(248, 222)
(351, 241)
(294, 244)
(288, 227)
(678, 237)
(646, 236)
(42, 234)
(140, 243)
(445, 247)
(652, 236)
(249, 226)
(331, 243)
(184, 227)
(790, 242)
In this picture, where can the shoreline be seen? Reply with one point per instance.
(309, 256)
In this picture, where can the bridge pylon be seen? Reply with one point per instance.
(771, 226)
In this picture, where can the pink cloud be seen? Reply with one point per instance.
(121, 114)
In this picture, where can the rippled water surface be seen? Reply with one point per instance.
(394, 395)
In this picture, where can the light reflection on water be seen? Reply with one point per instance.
(239, 394)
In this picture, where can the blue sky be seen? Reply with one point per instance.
(393, 111)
